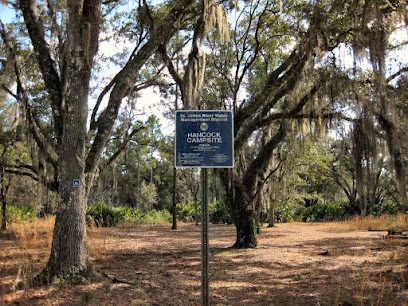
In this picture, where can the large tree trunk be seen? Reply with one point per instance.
(5, 187)
(67, 89)
(3, 214)
(272, 200)
(3, 196)
(69, 252)
(245, 216)
(242, 191)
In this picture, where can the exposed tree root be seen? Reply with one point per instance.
(48, 277)
(115, 280)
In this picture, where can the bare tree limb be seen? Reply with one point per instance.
(9, 91)
(124, 144)
(144, 85)
(397, 74)
(43, 143)
(93, 124)
(261, 184)
(248, 62)
(161, 35)
(170, 66)
(45, 62)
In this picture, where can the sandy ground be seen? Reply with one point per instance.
(294, 264)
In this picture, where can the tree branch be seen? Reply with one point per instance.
(283, 80)
(144, 85)
(149, 15)
(124, 144)
(55, 26)
(397, 74)
(172, 70)
(24, 173)
(262, 183)
(161, 35)
(262, 159)
(6, 89)
(21, 96)
(45, 62)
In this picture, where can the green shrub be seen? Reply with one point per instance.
(322, 212)
(284, 213)
(220, 213)
(186, 211)
(18, 214)
(131, 214)
(387, 209)
(106, 216)
(157, 216)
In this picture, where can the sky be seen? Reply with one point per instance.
(6, 14)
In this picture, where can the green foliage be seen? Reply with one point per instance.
(186, 211)
(18, 214)
(323, 212)
(104, 216)
(220, 213)
(86, 297)
(148, 195)
(390, 208)
(284, 213)
(142, 174)
(110, 216)
(156, 216)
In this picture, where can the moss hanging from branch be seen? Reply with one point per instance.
(213, 15)
(365, 160)
(375, 23)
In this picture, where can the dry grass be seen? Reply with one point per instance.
(99, 243)
(35, 235)
(27, 247)
(97, 240)
(360, 268)
(382, 223)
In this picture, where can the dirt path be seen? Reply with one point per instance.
(295, 264)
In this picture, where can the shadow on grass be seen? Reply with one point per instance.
(166, 267)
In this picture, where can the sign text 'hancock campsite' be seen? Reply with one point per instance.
(204, 139)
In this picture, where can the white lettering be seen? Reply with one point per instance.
(205, 134)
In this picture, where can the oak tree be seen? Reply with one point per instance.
(65, 40)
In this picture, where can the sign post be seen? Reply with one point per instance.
(205, 278)
(204, 139)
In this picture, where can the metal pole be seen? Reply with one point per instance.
(205, 279)
(174, 226)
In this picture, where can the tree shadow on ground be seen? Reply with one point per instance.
(162, 267)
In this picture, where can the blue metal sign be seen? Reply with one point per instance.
(76, 183)
(204, 139)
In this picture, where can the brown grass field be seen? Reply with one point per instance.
(294, 264)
